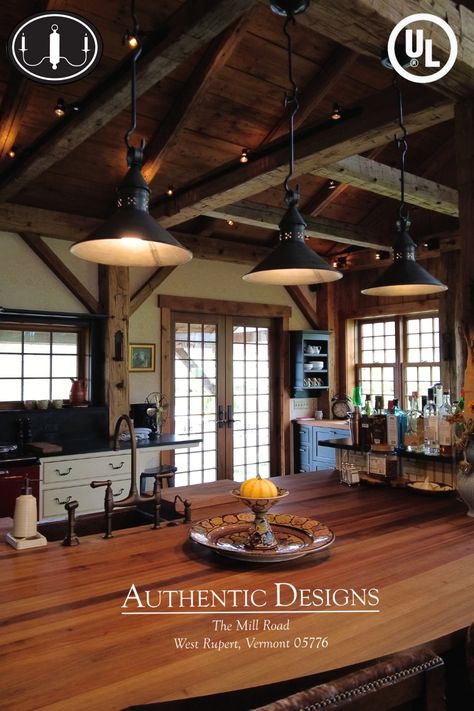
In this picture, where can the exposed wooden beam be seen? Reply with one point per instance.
(323, 198)
(326, 196)
(316, 91)
(306, 303)
(59, 269)
(372, 22)
(252, 213)
(384, 180)
(192, 26)
(190, 96)
(142, 294)
(364, 128)
(62, 225)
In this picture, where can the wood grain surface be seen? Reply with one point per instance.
(65, 644)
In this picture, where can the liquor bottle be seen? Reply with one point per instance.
(401, 424)
(368, 405)
(392, 426)
(430, 424)
(379, 422)
(446, 426)
(411, 438)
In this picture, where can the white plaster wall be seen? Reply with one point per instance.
(27, 283)
(202, 279)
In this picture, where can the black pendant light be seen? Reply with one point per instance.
(131, 237)
(292, 262)
(404, 277)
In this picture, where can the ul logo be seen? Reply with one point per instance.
(55, 47)
(420, 49)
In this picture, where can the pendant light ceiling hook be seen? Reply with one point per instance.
(290, 102)
(402, 145)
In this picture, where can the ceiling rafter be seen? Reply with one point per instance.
(324, 197)
(314, 93)
(365, 128)
(382, 179)
(430, 167)
(216, 55)
(70, 227)
(195, 24)
(372, 22)
(61, 271)
(258, 215)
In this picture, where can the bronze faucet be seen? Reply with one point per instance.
(133, 497)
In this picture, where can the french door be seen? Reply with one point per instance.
(220, 391)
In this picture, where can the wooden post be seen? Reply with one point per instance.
(115, 298)
(463, 298)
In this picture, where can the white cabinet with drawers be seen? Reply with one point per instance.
(67, 478)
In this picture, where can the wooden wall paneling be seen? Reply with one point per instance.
(166, 373)
(452, 377)
(114, 290)
(463, 299)
(59, 269)
(282, 408)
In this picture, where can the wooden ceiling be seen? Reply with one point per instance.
(211, 80)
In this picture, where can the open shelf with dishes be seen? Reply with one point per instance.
(309, 362)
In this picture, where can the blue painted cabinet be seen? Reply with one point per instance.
(310, 454)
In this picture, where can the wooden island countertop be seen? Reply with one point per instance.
(65, 643)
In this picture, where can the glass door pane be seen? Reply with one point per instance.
(251, 402)
(195, 399)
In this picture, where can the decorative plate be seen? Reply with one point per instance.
(297, 536)
(435, 490)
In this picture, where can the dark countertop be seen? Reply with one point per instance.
(106, 445)
(346, 443)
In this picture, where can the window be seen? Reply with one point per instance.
(37, 362)
(398, 356)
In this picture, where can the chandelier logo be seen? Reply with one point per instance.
(55, 47)
(419, 50)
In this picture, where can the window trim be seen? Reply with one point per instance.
(401, 363)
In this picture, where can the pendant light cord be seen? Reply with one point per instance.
(133, 152)
(402, 145)
(291, 100)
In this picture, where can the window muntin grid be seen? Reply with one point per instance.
(251, 402)
(416, 356)
(195, 382)
(37, 364)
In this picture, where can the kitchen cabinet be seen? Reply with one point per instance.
(309, 362)
(310, 454)
(68, 478)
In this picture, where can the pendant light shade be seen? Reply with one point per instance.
(404, 277)
(292, 262)
(131, 237)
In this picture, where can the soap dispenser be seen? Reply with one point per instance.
(24, 533)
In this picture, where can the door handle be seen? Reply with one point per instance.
(221, 421)
(230, 416)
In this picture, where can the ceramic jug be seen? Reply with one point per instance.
(77, 395)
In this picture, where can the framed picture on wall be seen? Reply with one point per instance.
(141, 357)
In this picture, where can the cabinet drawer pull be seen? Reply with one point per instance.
(61, 503)
(118, 493)
(302, 449)
(119, 466)
(63, 473)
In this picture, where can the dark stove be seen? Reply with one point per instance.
(15, 466)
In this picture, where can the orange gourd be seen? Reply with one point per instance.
(258, 488)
